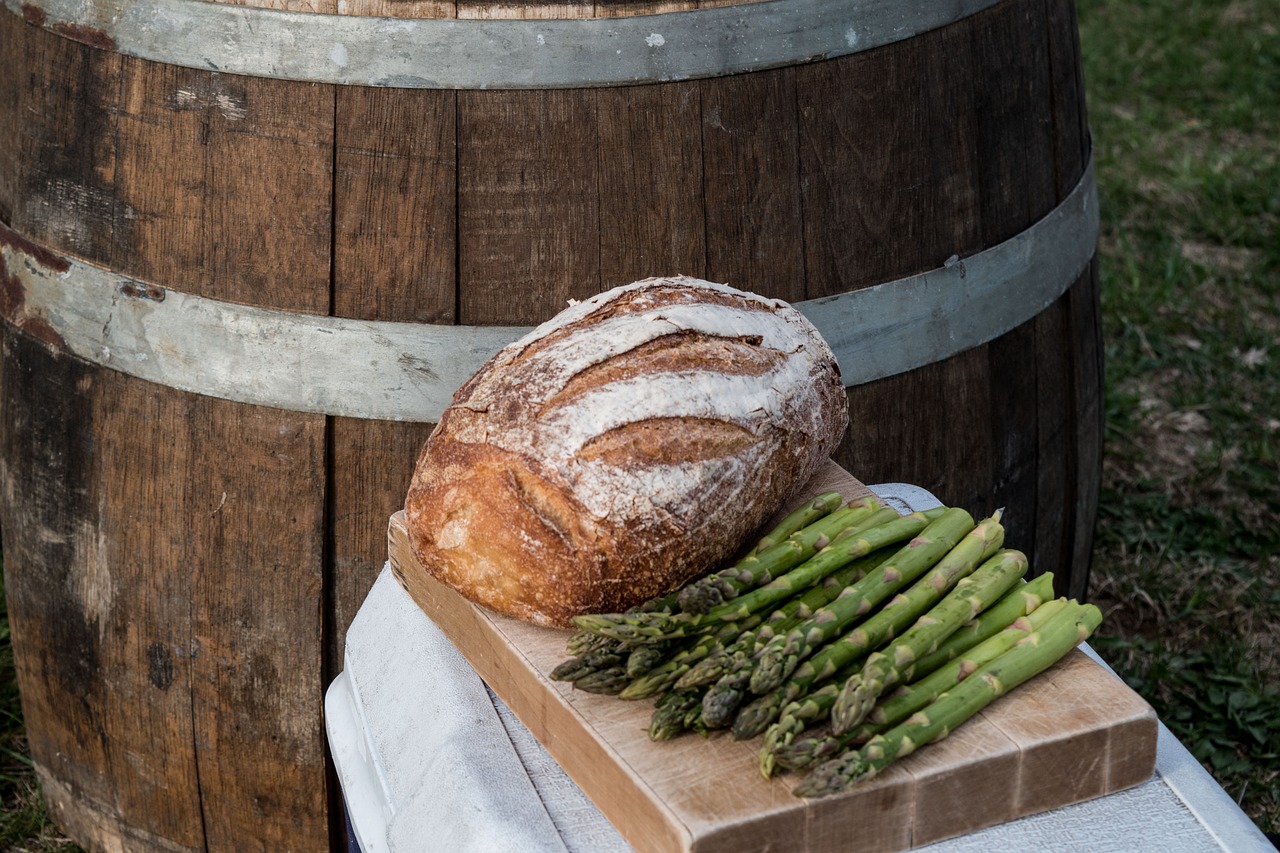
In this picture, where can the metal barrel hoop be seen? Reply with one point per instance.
(457, 53)
(409, 371)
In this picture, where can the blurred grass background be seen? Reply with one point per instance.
(1184, 105)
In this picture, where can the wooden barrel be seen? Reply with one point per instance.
(183, 549)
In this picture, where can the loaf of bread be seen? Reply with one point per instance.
(623, 447)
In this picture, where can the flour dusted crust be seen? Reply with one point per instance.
(628, 444)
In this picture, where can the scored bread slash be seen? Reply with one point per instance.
(629, 444)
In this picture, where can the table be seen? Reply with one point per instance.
(430, 759)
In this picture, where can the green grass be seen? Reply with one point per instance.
(1184, 103)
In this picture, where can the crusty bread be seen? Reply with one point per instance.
(625, 446)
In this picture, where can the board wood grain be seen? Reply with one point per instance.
(1072, 733)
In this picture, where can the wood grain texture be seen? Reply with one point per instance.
(197, 727)
(706, 794)
(12, 60)
(394, 209)
(1082, 311)
(1112, 733)
(890, 175)
(394, 258)
(650, 167)
(1018, 179)
(257, 676)
(1089, 417)
(750, 183)
(61, 148)
(253, 489)
(49, 513)
(979, 757)
(528, 204)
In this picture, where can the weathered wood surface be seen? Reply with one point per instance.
(181, 570)
(1072, 733)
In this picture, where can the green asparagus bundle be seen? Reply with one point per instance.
(816, 706)
(838, 627)
(614, 671)
(893, 664)
(801, 753)
(781, 656)
(672, 671)
(788, 615)
(1029, 656)
(895, 615)
(884, 668)
(654, 666)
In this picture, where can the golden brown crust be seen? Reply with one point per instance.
(626, 446)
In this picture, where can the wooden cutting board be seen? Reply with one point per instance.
(1073, 733)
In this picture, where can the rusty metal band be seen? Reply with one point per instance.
(454, 53)
(409, 371)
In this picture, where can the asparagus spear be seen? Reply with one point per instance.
(800, 518)
(582, 641)
(709, 669)
(590, 661)
(896, 614)
(609, 681)
(893, 664)
(845, 548)
(1019, 601)
(781, 656)
(792, 752)
(671, 715)
(595, 651)
(642, 659)
(756, 716)
(885, 667)
(789, 550)
(1030, 656)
